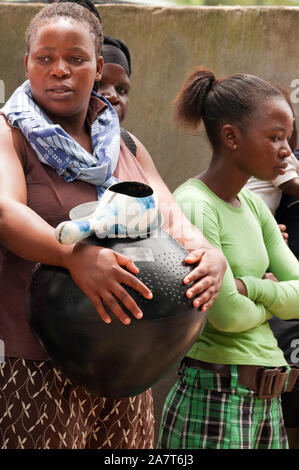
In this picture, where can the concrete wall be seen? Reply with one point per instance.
(165, 43)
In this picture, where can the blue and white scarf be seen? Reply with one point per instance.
(56, 148)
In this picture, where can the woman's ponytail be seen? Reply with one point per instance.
(190, 99)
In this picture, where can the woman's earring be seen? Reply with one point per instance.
(235, 147)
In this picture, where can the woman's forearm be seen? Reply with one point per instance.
(29, 236)
(279, 298)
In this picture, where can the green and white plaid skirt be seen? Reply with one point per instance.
(205, 410)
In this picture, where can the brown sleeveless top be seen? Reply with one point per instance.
(52, 198)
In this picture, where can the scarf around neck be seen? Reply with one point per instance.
(57, 149)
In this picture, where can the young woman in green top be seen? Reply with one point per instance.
(229, 386)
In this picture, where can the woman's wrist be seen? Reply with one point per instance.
(65, 253)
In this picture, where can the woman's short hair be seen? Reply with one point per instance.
(68, 10)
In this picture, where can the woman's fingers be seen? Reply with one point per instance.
(101, 274)
(116, 297)
(116, 309)
(206, 277)
(198, 273)
(126, 262)
(114, 305)
(202, 290)
(194, 257)
(132, 281)
(211, 299)
(98, 305)
(285, 235)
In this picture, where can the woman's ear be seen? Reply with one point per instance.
(99, 71)
(230, 135)
(26, 64)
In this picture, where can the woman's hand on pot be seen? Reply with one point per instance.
(100, 273)
(207, 276)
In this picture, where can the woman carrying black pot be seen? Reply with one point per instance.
(49, 163)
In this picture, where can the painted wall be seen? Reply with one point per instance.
(165, 43)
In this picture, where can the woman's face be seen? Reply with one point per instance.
(62, 68)
(115, 86)
(264, 144)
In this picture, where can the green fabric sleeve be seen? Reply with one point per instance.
(231, 312)
(279, 298)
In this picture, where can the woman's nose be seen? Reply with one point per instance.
(110, 94)
(285, 150)
(60, 69)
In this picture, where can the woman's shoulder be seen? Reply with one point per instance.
(10, 136)
(194, 197)
(252, 198)
(193, 190)
(5, 127)
(192, 186)
(256, 204)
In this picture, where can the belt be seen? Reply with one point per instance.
(267, 383)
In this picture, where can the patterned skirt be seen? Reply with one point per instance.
(207, 411)
(41, 409)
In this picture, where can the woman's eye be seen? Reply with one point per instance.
(275, 138)
(122, 91)
(77, 60)
(44, 59)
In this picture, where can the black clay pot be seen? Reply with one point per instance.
(116, 360)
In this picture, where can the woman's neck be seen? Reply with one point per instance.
(77, 128)
(224, 179)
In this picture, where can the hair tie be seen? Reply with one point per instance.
(212, 82)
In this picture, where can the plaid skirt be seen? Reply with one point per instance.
(41, 409)
(207, 411)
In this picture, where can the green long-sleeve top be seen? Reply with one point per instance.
(237, 330)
